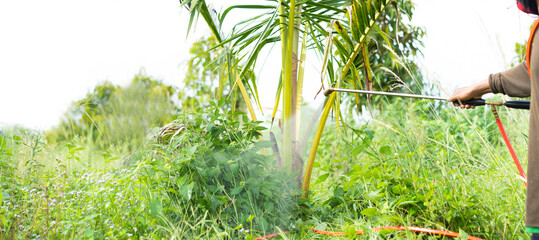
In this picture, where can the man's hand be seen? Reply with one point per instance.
(474, 91)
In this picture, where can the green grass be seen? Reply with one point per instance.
(427, 166)
(446, 169)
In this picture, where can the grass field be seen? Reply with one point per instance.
(429, 166)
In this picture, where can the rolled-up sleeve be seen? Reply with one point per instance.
(514, 82)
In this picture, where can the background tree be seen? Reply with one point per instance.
(205, 79)
(112, 115)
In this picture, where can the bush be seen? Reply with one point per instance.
(217, 166)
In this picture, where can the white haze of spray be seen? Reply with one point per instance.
(54, 52)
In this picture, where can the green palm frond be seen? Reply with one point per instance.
(199, 7)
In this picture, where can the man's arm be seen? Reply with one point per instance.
(514, 82)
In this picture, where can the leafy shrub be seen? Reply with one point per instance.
(217, 166)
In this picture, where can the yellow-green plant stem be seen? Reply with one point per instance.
(301, 74)
(297, 161)
(287, 91)
(246, 98)
(282, 26)
(314, 147)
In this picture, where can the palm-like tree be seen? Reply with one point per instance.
(361, 38)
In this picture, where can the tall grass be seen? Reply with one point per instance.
(419, 164)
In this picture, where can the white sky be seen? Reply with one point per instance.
(54, 52)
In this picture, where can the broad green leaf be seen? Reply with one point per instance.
(238, 227)
(322, 178)
(236, 190)
(373, 196)
(235, 168)
(4, 220)
(369, 212)
(187, 190)
(343, 52)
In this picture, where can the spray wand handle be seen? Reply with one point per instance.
(472, 102)
(518, 104)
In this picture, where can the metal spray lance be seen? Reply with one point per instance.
(518, 104)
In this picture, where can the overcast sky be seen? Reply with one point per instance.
(53, 52)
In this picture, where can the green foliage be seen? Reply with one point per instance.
(392, 52)
(211, 181)
(200, 80)
(8, 183)
(215, 166)
(428, 166)
(52, 199)
(210, 77)
(440, 169)
(520, 50)
(381, 48)
(112, 116)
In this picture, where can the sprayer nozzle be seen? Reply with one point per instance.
(328, 91)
